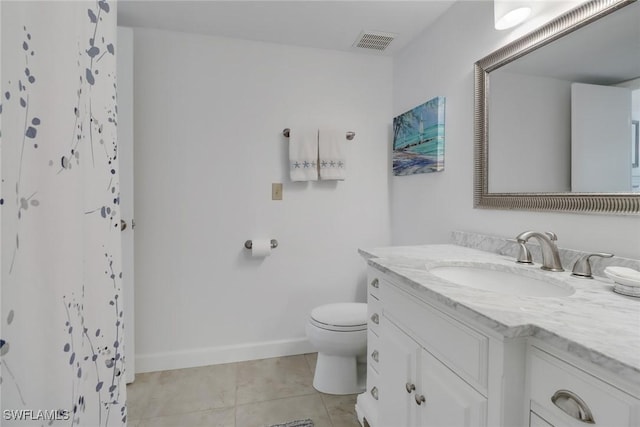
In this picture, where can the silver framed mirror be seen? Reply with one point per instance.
(567, 198)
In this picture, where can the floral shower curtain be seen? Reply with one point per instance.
(61, 323)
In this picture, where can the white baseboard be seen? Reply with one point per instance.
(223, 354)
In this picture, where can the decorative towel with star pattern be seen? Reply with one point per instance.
(303, 155)
(331, 158)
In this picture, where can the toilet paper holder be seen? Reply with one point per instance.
(249, 244)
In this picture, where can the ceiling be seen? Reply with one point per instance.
(327, 24)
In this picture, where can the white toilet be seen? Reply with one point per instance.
(339, 333)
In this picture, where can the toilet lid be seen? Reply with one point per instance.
(352, 316)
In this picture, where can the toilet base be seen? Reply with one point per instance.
(339, 375)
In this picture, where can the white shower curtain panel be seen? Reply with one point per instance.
(61, 323)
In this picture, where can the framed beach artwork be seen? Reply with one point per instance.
(418, 139)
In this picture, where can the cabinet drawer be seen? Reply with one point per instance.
(554, 379)
(456, 345)
(373, 351)
(536, 421)
(373, 379)
(374, 315)
(373, 384)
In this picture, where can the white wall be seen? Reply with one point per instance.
(208, 144)
(425, 208)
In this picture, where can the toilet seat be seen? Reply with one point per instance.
(340, 317)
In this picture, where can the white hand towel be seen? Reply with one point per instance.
(332, 161)
(303, 155)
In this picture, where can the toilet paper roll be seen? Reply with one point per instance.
(261, 248)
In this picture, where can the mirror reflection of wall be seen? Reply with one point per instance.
(635, 135)
(549, 134)
(634, 86)
(600, 138)
(530, 146)
(635, 155)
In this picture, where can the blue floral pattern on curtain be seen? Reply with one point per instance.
(62, 324)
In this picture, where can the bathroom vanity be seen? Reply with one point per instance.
(448, 354)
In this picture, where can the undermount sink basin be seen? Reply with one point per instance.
(504, 282)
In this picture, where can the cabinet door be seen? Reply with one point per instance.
(448, 400)
(398, 357)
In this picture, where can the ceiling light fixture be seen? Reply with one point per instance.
(509, 13)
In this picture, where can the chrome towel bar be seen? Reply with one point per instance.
(350, 135)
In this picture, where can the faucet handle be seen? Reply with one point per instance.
(551, 235)
(582, 267)
(524, 256)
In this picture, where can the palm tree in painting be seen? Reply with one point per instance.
(402, 123)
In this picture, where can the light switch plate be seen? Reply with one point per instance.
(276, 191)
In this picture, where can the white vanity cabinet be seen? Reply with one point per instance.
(441, 355)
(431, 365)
(408, 384)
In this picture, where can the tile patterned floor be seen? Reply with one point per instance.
(257, 393)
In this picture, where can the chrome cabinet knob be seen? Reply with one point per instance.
(409, 387)
(375, 318)
(374, 355)
(375, 283)
(420, 399)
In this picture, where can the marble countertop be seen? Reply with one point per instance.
(593, 323)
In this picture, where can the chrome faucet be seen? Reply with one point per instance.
(550, 255)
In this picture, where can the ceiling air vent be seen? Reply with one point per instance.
(376, 40)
